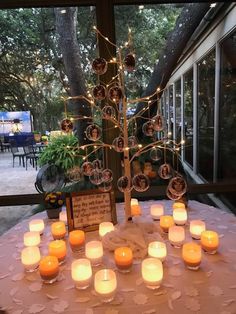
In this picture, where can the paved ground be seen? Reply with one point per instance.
(14, 181)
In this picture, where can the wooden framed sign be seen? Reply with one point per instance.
(87, 209)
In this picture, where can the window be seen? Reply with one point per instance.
(171, 110)
(178, 111)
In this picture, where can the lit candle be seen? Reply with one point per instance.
(49, 269)
(37, 225)
(157, 210)
(134, 201)
(105, 227)
(166, 222)
(57, 248)
(94, 252)
(196, 228)
(123, 259)
(30, 257)
(152, 272)
(105, 284)
(209, 241)
(81, 273)
(58, 230)
(63, 217)
(32, 238)
(158, 250)
(76, 240)
(136, 210)
(176, 236)
(180, 216)
(178, 205)
(192, 255)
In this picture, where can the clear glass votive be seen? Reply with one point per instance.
(105, 284)
(30, 257)
(152, 272)
(196, 228)
(176, 236)
(32, 238)
(158, 250)
(81, 273)
(94, 252)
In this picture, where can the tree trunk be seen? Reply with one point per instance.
(66, 29)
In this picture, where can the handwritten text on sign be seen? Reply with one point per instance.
(91, 209)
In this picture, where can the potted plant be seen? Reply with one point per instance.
(53, 204)
(37, 136)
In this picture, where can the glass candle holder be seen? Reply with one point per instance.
(63, 217)
(76, 240)
(37, 225)
(49, 269)
(192, 255)
(166, 222)
(176, 236)
(136, 210)
(105, 227)
(134, 201)
(30, 257)
(178, 205)
(158, 250)
(57, 248)
(94, 252)
(81, 273)
(180, 216)
(156, 211)
(152, 272)
(196, 228)
(124, 259)
(58, 230)
(210, 241)
(32, 238)
(105, 284)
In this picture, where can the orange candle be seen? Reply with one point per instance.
(57, 248)
(76, 240)
(136, 210)
(178, 205)
(49, 269)
(123, 258)
(192, 255)
(209, 241)
(166, 222)
(58, 230)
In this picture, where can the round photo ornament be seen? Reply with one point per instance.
(118, 144)
(124, 184)
(165, 171)
(148, 128)
(99, 66)
(177, 186)
(96, 177)
(115, 94)
(87, 168)
(93, 132)
(108, 112)
(67, 125)
(99, 92)
(158, 123)
(140, 182)
(107, 175)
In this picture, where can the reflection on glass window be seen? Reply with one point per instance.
(188, 117)
(206, 101)
(171, 111)
(178, 111)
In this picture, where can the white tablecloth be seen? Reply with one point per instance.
(211, 289)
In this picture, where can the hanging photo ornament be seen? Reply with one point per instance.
(132, 142)
(87, 168)
(129, 62)
(96, 177)
(105, 186)
(97, 164)
(155, 153)
(66, 125)
(124, 184)
(107, 175)
(74, 174)
(177, 186)
(172, 196)
(108, 112)
(158, 123)
(115, 94)
(99, 66)
(118, 144)
(148, 128)
(93, 132)
(165, 171)
(99, 92)
(140, 182)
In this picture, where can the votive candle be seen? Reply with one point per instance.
(49, 268)
(57, 248)
(136, 210)
(94, 252)
(58, 230)
(134, 201)
(192, 255)
(180, 216)
(156, 211)
(105, 227)
(105, 284)
(81, 273)
(152, 272)
(63, 216)
(32, 238)
(123, 258)
(158, 250)
(37, 225)
(166, 222)
(30, 257)
(76, 240)
(178, 205)
(196, 228)
(209, 241)
(176, 236)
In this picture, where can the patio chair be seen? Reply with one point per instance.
(30, 155)
(16, 153)
(4, 146)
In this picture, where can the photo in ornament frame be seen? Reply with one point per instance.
(99, 92)
(165, 171)
(177, 186)
(140, 182)
(124, 184)
(148, 128)
(87, 168)
(67, 125)
(115, 94)
(99, 66)
(93, 132)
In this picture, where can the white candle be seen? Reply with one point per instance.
(81, 273)
(31, 238)
(152, 272)
(180, 216)
(105, 284)
(94, 252)
(30, 257)
(196, 228)
(176, 236)
(156, 211)
(105, 227)
(134, 201)
(63, 217)
(37, 225)
(158, 250)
